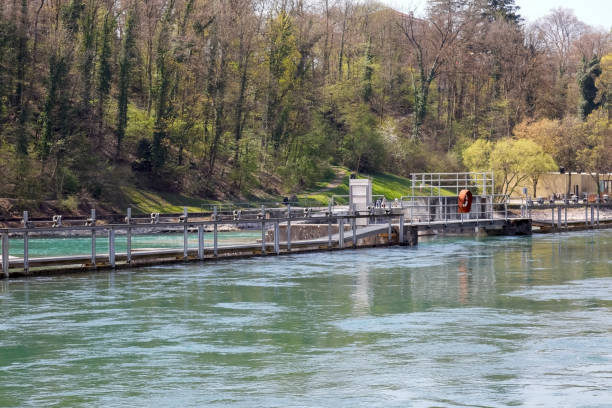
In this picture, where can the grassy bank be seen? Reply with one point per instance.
(389, 185)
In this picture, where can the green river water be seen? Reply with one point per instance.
(53, 246)
(523, 321)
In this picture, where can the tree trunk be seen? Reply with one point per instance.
(340, 61)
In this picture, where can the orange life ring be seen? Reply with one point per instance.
(465, 201)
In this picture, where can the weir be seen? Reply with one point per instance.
(365, 220)
(317, 232)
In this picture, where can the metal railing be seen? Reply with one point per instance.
(559, 212)
(407, 210)
(266, 218)
(433, 184)
(446, 208)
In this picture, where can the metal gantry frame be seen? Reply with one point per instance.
(429, 198)
(432, 184)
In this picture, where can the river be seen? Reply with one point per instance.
(523, 321)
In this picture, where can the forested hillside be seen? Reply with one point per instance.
(220, 98)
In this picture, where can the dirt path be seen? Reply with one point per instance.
(339, 179)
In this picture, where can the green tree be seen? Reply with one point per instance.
(104, 75)
(87, 54)
(477, 157)
(536, 163)
(595, 156)
(54, 112)
(368, 73)
(586, 82)
(512, 161)
(283, 59)
(164, 63)
(501, 9)
(363, 146)
(127, 55)
(604, 84)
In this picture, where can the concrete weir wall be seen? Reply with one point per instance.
(511, 227)
(303, 232)
(306, 232)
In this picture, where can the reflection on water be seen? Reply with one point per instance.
(361, 294)
(453, 322)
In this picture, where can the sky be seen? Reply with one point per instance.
(597, 13)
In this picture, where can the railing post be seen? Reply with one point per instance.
(329, 234)
(26, 243)
(484, 188)
(528, 211)
(128, 247)
(288, 227)
(329, 228)
(553, 217)
(340, 232)
(354, 230)
(276, 238)
(586, 215)
(5, 254)
(593, 216)
(93, 237)
(263, 229)
(111, 247)
(559, 222)
(354, 226)
(445, 210)
(201, 242)
(185, 234)
(215, 233)
(598, 214)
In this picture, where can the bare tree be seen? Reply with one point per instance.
(593, 42)
(560, 29)
(431, 41)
